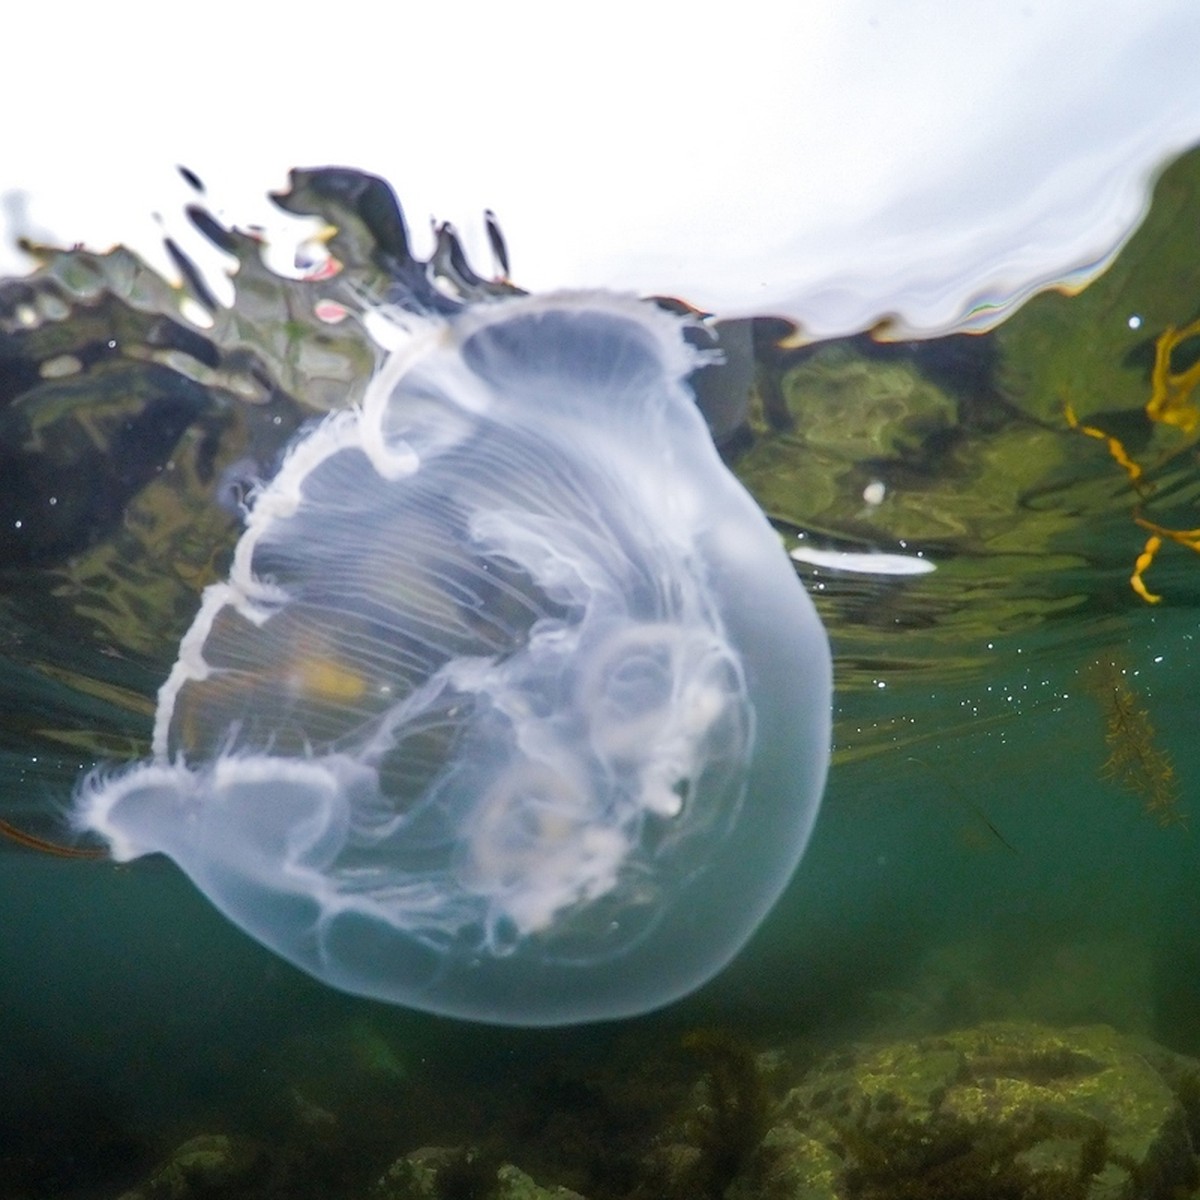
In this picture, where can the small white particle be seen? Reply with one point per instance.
(874, 492)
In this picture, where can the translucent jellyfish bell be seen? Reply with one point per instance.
(512, 707)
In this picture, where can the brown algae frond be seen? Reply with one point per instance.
(1136, 762)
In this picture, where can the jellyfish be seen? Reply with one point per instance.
(511, 707)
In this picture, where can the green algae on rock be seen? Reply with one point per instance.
(440, 1173)
(206, 1165)
(1003, 1109)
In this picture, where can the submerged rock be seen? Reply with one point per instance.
(1003, 1110)
(207, 1165)
(437, 1171)
(1006, 1109)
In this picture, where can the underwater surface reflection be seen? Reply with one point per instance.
(1007, 839)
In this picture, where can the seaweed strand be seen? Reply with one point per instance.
(1170, 404)
(1136, 763)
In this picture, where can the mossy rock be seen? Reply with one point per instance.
(209, 1165)
(1006, 1109)
(445, 1173)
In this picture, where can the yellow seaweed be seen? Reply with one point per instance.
(1115, 446)
(1171, 404)
(1185, 537)
(1170, 401)
(1141, 565)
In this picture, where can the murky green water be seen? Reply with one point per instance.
(974, 861)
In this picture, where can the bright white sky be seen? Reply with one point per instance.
(834, 161)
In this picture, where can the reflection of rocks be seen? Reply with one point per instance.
(1005, 1109)
(209, 1165)
(437, 1172)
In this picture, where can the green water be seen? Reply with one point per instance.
(981, 870)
